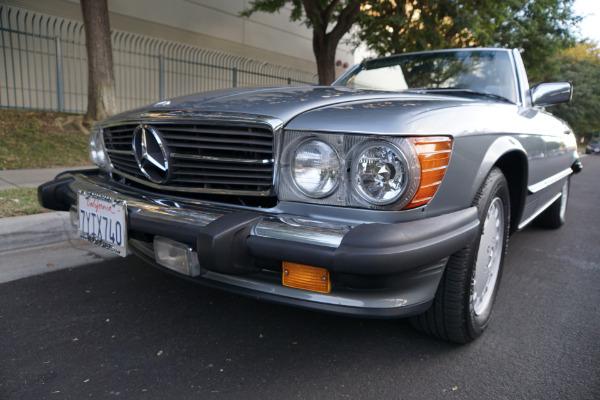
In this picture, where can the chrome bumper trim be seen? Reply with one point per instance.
(299, 230)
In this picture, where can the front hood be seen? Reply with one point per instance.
(288, 102)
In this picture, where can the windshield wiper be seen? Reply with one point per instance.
(452, 91)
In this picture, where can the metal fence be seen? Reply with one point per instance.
(44, 66)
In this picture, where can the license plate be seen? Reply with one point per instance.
(102, 221)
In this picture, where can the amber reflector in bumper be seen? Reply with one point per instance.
(306, 277)
(434, 156)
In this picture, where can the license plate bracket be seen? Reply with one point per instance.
(102, 220)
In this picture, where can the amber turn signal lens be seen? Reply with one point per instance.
(434, 156)
(306, 277)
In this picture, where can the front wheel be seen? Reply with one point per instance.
(463, 302)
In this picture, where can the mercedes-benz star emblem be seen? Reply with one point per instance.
(150, 153)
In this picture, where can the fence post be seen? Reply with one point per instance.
(234, 77)
(161, 77)
(60, 89)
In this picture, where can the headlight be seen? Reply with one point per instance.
(315, 168)
(96, 148)
(363, 171)
(380, 173)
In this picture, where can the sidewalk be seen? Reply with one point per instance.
(11, 179)
(30, 231)
(35, 244)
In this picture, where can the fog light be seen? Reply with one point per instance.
(176, 256)
(306, 277)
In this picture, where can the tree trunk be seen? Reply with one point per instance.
(325, 56)
(101, 79)
(325, 43)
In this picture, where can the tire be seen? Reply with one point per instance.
(462, 306)
(554, 216)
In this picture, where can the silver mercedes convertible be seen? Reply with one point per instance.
(391, 193)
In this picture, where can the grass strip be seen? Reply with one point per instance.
(42, 139)
(20, 201)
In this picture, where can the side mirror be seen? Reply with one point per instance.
(546, 94)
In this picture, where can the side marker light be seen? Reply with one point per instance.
(306, 277)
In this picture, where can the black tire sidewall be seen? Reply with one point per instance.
(495, 186)
(565, 200)
(451, 317)
(551, 218)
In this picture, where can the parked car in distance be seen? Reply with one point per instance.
(391, 193)
(593, 146)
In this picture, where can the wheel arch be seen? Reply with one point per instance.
(510, 157)
(514, 167)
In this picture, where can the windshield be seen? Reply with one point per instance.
(482, 71)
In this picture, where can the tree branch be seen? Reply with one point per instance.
(329, 10)
(345, 20)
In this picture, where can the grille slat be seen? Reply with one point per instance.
(132, 171)
(119, 138)
(221, 181)
(123, 157)
(266, 169)
(203, 157)
(209, 159)
(266, 177)
(184, 146)
(181, 139)
(205, 132)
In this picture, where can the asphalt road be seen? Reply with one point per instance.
(121, 329)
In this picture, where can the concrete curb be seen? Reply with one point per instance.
(18, 233)
(31, 231)
(41, 243)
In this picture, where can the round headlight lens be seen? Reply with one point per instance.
(380, 173)
(316, 168)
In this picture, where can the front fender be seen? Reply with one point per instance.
(500, 148)
(473, 158)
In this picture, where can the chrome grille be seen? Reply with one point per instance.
(203, 157)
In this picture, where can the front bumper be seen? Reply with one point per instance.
(377, 269)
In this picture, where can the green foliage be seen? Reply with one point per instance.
(311, 10)
(580, 65)
(539, 28)
(315, 12)
(393, 27)
(329, 20)
(273, 6)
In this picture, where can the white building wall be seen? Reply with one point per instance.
(211, 24)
